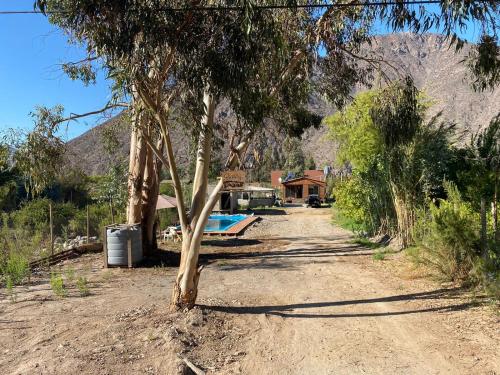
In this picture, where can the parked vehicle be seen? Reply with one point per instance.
(313, 201)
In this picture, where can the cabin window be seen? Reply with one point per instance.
(313, 189)
(294, 191)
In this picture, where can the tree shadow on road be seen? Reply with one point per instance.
(290, 311)
(288, 254)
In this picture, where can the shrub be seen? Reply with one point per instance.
(100, 216)
(57, 285)
(378, 255)
(346, 222)
(34, 216)
(448, 237)
(167, 188)
(351, 205)
(486, 273)
(15, 268)
(82, 286)
(9, 285)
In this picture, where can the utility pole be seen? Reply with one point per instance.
(88, 225)
(51, 230)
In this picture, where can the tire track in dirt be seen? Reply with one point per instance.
(316, 307)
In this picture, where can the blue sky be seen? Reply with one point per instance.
(30, 51)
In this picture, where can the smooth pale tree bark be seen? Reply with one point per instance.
(136, 174)
(150, 191)
(192, 227)
(186, 286)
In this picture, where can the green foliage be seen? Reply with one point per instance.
(378, 255)
(484, 151)
(398, 161)
(484, 63)
(100, 216)
(347, 222)
(112, 187)
(215, 169)
(365, 198)
(166, 188)
(487, 273)
(15, 268)
(448, 236)
(359, 141)
(83, 71)
(8, 195)
(57, 284)
(365, 242)
(34, 216)
(9, 285)
(73, 186)
(351, 201)
(82, 286)
(109, 134)
(39, 154)
(310, 164)
(70, 274)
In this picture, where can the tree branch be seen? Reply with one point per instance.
(75, 116)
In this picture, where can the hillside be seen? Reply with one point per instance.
(435, 67)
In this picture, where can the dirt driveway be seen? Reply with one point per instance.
(294, 295)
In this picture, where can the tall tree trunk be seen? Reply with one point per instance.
(136, 173)
(203, 158)
(150, 191)
(185, 289)
(484, 247)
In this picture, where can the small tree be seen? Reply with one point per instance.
(485, 151)
(39, 154)
(111, 189)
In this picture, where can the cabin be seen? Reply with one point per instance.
(296, 190)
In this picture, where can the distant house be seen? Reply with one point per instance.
(296, 190)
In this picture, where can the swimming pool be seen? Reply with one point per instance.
(221, 223)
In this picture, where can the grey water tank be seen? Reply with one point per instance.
(117, 238)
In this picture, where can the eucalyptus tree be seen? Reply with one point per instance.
(39, 153)
(167, 53)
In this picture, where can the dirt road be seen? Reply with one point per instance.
(294, 295)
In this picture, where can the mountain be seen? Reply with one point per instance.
(435, 67)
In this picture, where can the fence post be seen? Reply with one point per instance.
(483, 228)
(111, 209)
(88, 225)
(51, 230)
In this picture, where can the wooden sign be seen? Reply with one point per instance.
(233, 179)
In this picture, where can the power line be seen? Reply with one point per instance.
(257, 7)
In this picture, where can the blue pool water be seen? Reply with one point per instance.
(220, 223)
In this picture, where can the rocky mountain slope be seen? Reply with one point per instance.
(435, 67)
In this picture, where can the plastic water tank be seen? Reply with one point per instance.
(117, 244)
